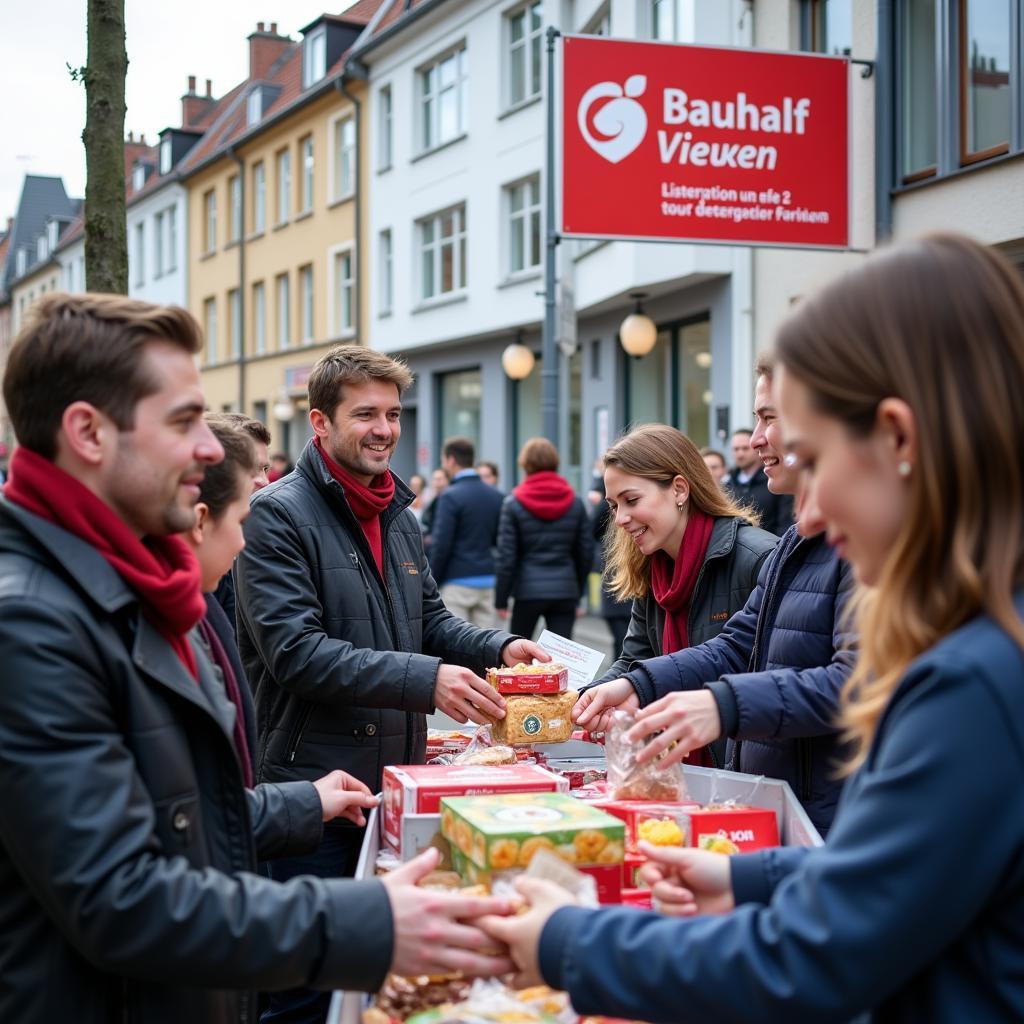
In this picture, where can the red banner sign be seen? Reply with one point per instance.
(700, 143)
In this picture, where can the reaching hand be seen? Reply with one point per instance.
(689, 719)
(686, 881)
(343, 796)
(438, 932)
(462, 695)
(522, 934)
(523, 652)
(595, 706)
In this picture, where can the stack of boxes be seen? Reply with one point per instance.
(538, 704)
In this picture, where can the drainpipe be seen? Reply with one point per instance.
(342, 87)
(241, 277)
(885, 146)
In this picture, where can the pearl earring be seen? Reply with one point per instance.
(903, 468)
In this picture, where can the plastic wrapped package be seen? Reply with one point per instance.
(628, 779)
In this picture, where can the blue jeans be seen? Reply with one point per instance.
(336, 857)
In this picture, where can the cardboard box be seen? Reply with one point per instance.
(529, 679)
(447, 741)
(419, 788)
(636, 812)
(738, 829)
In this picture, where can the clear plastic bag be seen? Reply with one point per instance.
(483, 750)
(630, 780)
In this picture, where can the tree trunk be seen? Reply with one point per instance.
(106, 229)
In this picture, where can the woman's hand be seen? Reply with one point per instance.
(689, 719)
(343, 796)
(594, 708)
(522, 934)
(685, 882)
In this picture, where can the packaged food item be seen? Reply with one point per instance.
(448, 741)
(492, 834)
(523, 678)
(411, 790)
(733, 828)
(540, 718)
(491, 1002)
(640, 898)
(400, 998)
(630, 780)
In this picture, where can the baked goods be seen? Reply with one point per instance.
(536, 718)
(496, 755)
(400, 997)
(523, 678)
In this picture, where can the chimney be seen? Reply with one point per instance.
(264, 48)
(194, 106)
(259, 26)
(209, 89)
(131, 136)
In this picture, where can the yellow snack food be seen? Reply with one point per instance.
(531, 846)
(536, 718)
(660, 832)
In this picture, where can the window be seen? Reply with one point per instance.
(306, 294)
(443, 253)
(664, 20)
(600, 24)
(344, 157)
(165, 155)
(52, 234)
(159, 256)
(314, 57)
(985, 30)
(235, 192)
(138, 177)
(259, 318)
(918, 88)
(140, 253)
(459, 405)
(210, 326)
(524, 233)
(172, 238)
(235, 312)
(344, 293)
(284, 311)
(385, 295)
(210, 221)
(385, 148)
(525, 39)
(284, 186)
(306, 149)
(259, 198)
(41, 248)
(443, 100)
(254, 107)
(832, 27)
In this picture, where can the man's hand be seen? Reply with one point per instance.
(462, 695)
(689, 719)
(685, 881)
(523, 652)
(437, 932)
(522, 934)
(343, 796)
(594, 709)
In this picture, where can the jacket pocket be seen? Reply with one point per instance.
(295, 736)
(178, 821)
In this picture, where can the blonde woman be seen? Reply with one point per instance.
(900, 395)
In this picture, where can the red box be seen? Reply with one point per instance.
(631, 865)
(733, 829)
(633, 812)
(553, 679)
(637, 898)
(442, 741)
(418, 788)
(609, 881)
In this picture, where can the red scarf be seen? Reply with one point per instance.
(545, 495)
(366, 502)
(162, 571)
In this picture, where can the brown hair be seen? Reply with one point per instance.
(86, 348)
(764, 366)
(460, 449)
(254, 428)
(538, 455)
(939, 324)
(659, 453)
(352, 364)
(229, 479)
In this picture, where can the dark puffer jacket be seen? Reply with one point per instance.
(128, 884)
(542, 559)
(777, 670)
(342, 662)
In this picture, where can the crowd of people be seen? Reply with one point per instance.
(210, 656)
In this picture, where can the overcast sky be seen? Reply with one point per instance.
(42, 112)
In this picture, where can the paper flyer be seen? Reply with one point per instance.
(582, 662)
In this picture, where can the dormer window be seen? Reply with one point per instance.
(254, 107)
(138, 177)
(52, 234)
(21, 262)
(41, 251)
(314, 57)
(165, 155)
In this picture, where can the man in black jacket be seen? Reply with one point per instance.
(128, 888)
(748, 484)
(343, 634)
(464, 536)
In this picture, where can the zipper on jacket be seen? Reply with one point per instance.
(805, 756)
(296, 737)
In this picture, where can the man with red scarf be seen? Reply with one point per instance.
(341, 628)
(128, 884)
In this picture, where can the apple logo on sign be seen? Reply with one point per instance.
(622, 120)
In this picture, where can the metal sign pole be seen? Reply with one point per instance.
(549, 350)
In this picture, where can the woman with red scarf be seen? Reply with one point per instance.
(678, 546)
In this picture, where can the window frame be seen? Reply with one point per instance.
(428, 125)
(525, 216)
(172, 238)
(531, 38)
(235, 208)
(166, 155)
(307, 164)
(139, 269)
(159, 255)
(210, 329)
(967, 158)
(459, 240)
(307, 305)
(313, 73)
(254, 106)
(283, 167)
(210, 221)
(283, 287)
(259, 318)
(337, 253)
(235, 322)
(342, 155)
(386, 261)
(259, 197)
(386, 127)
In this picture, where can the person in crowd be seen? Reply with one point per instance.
(418, 485)
(280, 465)
(343, 635)
(544, 546)
(127, 853)
(438, 484)
(464, 536)
(890, 382)
(677, 546)
(748, 484)
(489, 472)
(715, 461)
(615, 612)
(4, 456)
(771, 681)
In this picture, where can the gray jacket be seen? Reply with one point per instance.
(343, 663)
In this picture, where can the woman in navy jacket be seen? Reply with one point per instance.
(899, 392)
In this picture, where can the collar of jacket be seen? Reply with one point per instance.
(310, 463)
(723, 536)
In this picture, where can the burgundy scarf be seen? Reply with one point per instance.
(162, 571)
(366, 502)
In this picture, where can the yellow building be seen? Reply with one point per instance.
(274, 272)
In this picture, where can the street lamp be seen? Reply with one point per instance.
(517, 361)
(284, 408)
(638, 333)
